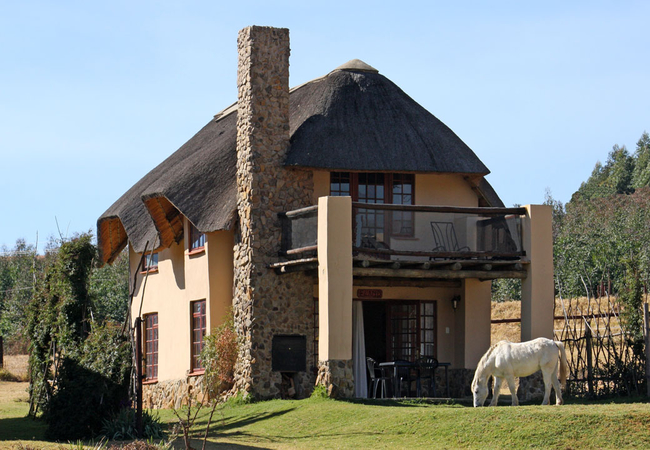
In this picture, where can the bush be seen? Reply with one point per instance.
(90, 388)
(219, 356)
(319, 392)
(5, 375)
(121, 426)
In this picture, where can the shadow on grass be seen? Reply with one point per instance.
(220, 424)
(21, 428)
(408, 402)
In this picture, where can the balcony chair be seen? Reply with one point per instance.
(444, 235)
(375, 380)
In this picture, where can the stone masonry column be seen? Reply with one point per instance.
(335, 370)
(264, 303)
(537, 291)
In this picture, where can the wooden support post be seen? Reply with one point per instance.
(646, 337)
(138, 374)
(590, 363)
(2, 353)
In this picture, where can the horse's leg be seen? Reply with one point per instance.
(513, 389)
(496, 388)
(547, 386)
(558, 389)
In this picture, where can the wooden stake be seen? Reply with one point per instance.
(646, 336)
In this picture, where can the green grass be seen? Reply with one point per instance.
(317, 423)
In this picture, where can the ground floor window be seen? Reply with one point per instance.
(198, 333)
(151, 346)
(400, 330)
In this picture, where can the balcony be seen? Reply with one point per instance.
(407, 241)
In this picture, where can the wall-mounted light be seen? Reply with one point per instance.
(455, 300)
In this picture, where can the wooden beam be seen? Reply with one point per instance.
(465, 255)
(483, 211)
(401, 282)
(439, 274)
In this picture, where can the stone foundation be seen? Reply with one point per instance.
(460, 382)
(172, 393)
(338, 377)
(531, 388)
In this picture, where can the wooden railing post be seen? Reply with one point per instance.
(590, 362)
(646, 338)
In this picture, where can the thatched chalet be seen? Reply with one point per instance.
(339, 221)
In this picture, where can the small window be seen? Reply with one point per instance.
(197, 239)
(151, 347)
(151, 262)
(198, 333)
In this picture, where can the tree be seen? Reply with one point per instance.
(109, 290)
(615, 177)
(18, 269)
(641, 173)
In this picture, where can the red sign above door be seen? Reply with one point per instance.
(369, 293)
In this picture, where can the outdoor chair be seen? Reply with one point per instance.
(375, 380)
(427, 366)
(403, 377)
(444, 235)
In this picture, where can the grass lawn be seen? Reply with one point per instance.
(387, 424)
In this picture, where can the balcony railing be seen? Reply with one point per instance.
(400, 232)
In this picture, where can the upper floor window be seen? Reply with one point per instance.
(197, 239)
(151, 262)
(395, 188)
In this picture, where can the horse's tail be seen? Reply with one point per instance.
(564, 365)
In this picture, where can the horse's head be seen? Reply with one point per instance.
(479, 391)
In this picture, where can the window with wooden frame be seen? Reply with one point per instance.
(395, 188)
(197, 239)
(150, 262)
(198, 327)
(151, 347)
(411, 330)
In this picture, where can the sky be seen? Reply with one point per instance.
(93, 95)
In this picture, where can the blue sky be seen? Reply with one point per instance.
(95, 94)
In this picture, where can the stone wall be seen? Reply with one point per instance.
(460, 382)
(265, 303)
(338, 378)
(172, 394)
(531, 388)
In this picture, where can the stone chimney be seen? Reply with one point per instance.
(264, 303)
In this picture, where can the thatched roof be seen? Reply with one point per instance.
(354, 119)
(351, 119)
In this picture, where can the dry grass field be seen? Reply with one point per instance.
(17, 365)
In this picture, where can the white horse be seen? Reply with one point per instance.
(507, 360)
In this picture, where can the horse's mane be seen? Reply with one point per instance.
(483, 361)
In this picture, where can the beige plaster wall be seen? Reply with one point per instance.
(335, 278)
(182, 278)
(475, 311)
(537, 289)
(220, 272)
(430, 189)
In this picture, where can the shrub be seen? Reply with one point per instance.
(121, 426)
(5, 375)
(219, 356)
(319, 392)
